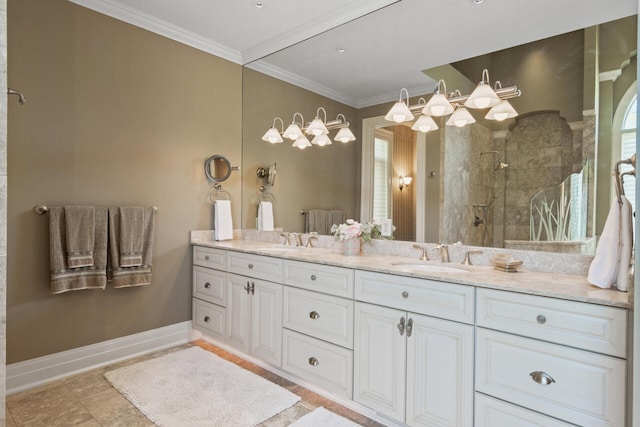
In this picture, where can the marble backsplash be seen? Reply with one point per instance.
(532, 260)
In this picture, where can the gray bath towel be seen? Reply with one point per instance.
(80, 233)
(316, 221)
(132, 221)
(65, 279)
(335, 216)
(119, 275)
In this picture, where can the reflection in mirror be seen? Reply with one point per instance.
(217, 168)
(573, 85)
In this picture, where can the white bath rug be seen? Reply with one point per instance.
(194, 387)
(321, 417)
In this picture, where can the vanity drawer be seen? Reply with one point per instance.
(210, 257)
(260, 267)
(496, 413)
(209, 319)
(588, 389)
(210, 285)
(321, 316)
(587, 326)
(322, 278)
(325, 365)
(422, 296)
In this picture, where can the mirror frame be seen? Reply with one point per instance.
(207, 168)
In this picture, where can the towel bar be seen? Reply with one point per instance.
(42, 209)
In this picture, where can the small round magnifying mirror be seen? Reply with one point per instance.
(272, 174)
(217, 168)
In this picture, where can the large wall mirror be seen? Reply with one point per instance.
(544, 175)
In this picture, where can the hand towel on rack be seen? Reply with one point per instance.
(80, 235)
(65, 279)
(131, 224)
(626, 244)
(335, 216)
(222, 221)
(316, 220)
(119, 275)
(604, 267)
(265, 216)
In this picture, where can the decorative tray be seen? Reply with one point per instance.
(503, 262)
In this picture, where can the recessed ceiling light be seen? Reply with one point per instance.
(259, 4)
(341, 50)
(477, 1)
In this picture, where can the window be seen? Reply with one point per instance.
(628, 146)
(381, 174)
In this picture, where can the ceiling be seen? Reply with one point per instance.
(385, 49)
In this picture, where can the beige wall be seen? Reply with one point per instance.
(313, 178)
(115, 115)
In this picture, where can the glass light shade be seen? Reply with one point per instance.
(460, 118)
(321, 140)
(438, 106)
(502, 111)
(344, 135)
(293, 132)
(406, 180)
(272, 136)
(317, 127)
(399, 113)
(424, 124)
(302, 142)
(483, 96)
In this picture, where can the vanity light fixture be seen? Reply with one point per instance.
(321, 140)
(460, 118)
(400, 111)
(438, 105)
(273, 135)
(293, 132)
(345, 135)
(483, 96)
(302, 142)
(502, 110)
(317, 126)
(404, 181)
(424, 124)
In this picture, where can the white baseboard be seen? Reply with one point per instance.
(32, 373)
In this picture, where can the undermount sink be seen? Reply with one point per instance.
(431, 268)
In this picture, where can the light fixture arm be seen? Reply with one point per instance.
(404, 89)
(281, 124)
(442, 83)
(485, 72)
(301, 119)
(318, 114)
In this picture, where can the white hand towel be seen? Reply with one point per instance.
(222, 222)
(604, 267)
(265, 216)
(626, 245)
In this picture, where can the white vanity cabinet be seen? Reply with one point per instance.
(409, 364)
(318, 325)
(254, 310)
(209, 291)
(558, 358)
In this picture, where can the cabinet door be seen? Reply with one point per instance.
(266, 321)
(238, 312)
(439, 372)
(379, 359)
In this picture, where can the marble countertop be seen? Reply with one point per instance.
(563, 286)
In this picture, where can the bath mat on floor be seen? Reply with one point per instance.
(194, 387)
(321, 417)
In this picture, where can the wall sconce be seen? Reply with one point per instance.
(483, 96)
(293, 132)
(273, 135)
(438, 105)
(404, 181)
(400, 111)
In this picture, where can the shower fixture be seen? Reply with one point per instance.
(500, 165)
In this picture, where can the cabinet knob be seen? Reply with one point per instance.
(250, 266)
(542, 377)
(206, 257)
(313, 277)
(405, 294)
(541, 319)
(314, 315)
(207, 285)
(207, 319)
(313, 361)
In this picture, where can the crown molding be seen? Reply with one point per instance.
(131, 16)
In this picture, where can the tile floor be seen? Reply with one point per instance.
(88, 400)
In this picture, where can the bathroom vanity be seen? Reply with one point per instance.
(421, 344)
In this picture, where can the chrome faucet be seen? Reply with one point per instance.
(444, 252)
(286, 238)
(467, 257)
(298, 238)
(313, 236)
(423, 256)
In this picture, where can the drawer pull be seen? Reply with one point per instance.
(206, 257)
(405, 294)
(207, 319)
(207, 285)
(541, 319)
(401, 326)
(314, 315)
(542, 377)
(313, 277)
(313, 361)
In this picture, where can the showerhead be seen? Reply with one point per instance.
(500, 165)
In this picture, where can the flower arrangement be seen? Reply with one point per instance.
(353, 229)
